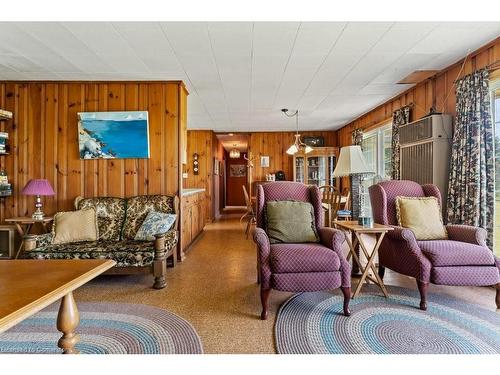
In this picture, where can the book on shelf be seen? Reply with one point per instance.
(4, 113)
(4, 135)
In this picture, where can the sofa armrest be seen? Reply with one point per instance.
(31, 241)
(334, 239)
(263, 254)
(467, 233)
(165, 241)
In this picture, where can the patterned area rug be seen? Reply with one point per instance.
(312, 323)
(111, 328)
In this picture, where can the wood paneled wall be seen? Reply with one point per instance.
(201, 142)
(437, 91)
(43, 140)
(274, 145)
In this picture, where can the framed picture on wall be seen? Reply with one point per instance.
(237, 170)
(264, 161)
(113, 135)
(216, 167)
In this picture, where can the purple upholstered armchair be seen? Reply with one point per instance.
(462, 259)
(299, 267)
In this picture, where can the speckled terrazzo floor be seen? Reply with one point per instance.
(215, 289)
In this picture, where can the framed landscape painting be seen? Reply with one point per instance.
(113, 135)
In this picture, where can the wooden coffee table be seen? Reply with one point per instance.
(28, 286)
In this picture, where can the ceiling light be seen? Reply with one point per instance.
(297, 144)
(234, 153)
(230, 134)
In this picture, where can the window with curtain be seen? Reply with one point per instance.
(495, 96)
(377, 147)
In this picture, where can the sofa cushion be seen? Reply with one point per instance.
(138, 208)
(154, 223)
(455, 253)
(310, 257)
(128, 253)
(290, 222)
(74, 226)
(110, 215)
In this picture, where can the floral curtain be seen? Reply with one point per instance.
(471, 192)
(399, 117)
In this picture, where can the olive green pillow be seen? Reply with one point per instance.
(290, 222)
(422, 215)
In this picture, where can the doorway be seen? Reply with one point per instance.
(235, 147)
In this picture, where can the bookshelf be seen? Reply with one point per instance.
(5, 187)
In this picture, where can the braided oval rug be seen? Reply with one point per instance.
(107, 328)
(312, 323)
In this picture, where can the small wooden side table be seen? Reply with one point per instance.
(24, 224)
(355, 230)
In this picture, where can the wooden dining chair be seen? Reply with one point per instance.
(330, 197)
(345, 212)
(250, 213)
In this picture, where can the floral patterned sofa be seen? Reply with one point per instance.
(118, 220)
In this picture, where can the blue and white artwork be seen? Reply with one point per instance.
(113, 135)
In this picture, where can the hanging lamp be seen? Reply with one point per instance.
(297, 144)
(234, 153)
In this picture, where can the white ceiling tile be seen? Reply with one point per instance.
(403, 36)
(274, 38)
(449, 38)
(360, 36)
(20, 64)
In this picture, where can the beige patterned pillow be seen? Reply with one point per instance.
(74, 226)
(423, 216)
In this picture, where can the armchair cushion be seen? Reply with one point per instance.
(422, 215)
(301, 258)
(455, 253)
(290, 222)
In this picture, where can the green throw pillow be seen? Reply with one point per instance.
(290, 222)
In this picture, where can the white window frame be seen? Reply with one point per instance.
(379, 153)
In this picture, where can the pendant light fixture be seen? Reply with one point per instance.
(234, 153)
(297, 144)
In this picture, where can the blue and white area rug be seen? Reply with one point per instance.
(312, 323)
(112, 328)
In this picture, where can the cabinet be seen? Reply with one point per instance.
(193, 218)
(316, 167)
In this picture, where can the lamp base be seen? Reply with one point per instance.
(38, 215)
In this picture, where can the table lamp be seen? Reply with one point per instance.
(38, 187)
(352, 163)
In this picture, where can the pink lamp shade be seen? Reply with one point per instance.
(38, 187)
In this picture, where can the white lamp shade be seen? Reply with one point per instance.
(351, 161)
(292, 150)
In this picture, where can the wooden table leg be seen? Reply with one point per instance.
(355, 271)
(22, 233)
(370, 266)
(68, 319)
